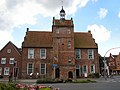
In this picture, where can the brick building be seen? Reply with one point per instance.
(114, 64)
(61, 53)
(10, 63)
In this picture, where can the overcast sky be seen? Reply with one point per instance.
(102, 17)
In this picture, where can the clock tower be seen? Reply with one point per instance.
(63, 47)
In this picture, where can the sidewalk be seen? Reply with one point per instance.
(33, 81)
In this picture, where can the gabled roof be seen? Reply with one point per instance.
(15, 47)
(37, 39)
(44, 39)
(84, 40)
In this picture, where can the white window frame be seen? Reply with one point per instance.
(90, 54)
(43, 53)
(11, 61)
(0, 70)
(69, 60)
(43, 69)
(79, 54)
(30, 68)
(83, 69)
(6, 70)
(92, 68)
(30, 53)
(69, 44)
(3, 60)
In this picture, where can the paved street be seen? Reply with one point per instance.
(102, 84)
(88, 86)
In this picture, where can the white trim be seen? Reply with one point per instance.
(32, 67)
(43, 68)
(90, 52)
(79, 51)
(43, 57)
(11, 61)
(5, 70)
(3, 60)
(30, 53)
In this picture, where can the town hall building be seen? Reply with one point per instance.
(61, 53)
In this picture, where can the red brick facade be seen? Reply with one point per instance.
(10, 57)
(114, 64)
(61, 53)
(65, 53)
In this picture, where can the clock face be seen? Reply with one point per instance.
(8, 50)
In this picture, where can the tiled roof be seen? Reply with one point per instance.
(44, 39)
(37, 39)
(84, 40)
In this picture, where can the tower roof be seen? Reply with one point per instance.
(62, 10)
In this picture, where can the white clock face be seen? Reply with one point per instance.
(8, 50)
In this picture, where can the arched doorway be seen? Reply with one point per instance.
(57, 73)
(70, 74)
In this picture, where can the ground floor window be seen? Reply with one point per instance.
(6, 71)
(92, 68)
(42, 69)
(85, 69)
(30, 68)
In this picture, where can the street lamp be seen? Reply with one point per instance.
(105, 63)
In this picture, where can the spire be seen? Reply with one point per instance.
(62, 13)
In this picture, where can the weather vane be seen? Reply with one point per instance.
(62, 3)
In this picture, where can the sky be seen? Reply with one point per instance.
(101, 17)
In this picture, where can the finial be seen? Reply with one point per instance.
(62, 3)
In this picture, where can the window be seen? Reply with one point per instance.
(0, 70)
(6, 71)
(69, 60)
(11, 61)
(69, 31)
(57, 31)
(8, 50)
(30, 53)
(85, 69)
(29, 68)
(3, 60)
(43, 69)
(42, 53)
(77, 53)
(90, 54)
(69, 44)
(92, 68)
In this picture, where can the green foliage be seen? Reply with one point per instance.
(9, 86)
(45, 80)
(45, 89)
(93, 75)
(84, 81)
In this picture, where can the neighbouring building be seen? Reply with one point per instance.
(10, 63)
(61, 53)
(114, 64)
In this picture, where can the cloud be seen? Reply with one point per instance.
(119, 15)
(99, 32)
(102, 13)
(15, 13)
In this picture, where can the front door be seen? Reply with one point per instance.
(70, 74)
(57, 73)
